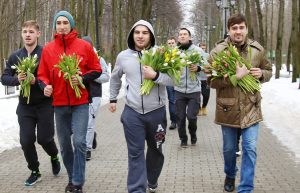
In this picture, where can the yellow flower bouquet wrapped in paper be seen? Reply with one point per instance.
(162, 59)
(224, 65)
(69, 66)
(27, 66)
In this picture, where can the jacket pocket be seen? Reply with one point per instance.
(226, 104)
(227, 111)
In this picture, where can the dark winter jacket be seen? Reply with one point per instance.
(89, 65)
(95, 86)
(234, 107)
(9, 76)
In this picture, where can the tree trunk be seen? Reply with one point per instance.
(288, 60)
(89, 20)
(260, 26)
(294, 34)
(146, 9)
(114, 31)
(254, 20)
(266, 25)
(279, 39)
(298, 48)
(271, 35)
(248, 16)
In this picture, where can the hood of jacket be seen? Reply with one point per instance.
(130, 41)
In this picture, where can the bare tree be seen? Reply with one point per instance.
(279, 39)
(249, 18)
(295, 39)
(260, 21)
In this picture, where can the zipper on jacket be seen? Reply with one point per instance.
(65, 51)
(142, 98)
(159, 100)
(186, 75)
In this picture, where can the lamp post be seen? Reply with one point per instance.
(225, 5)
(209, 28)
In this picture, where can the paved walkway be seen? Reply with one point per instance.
(194, 169)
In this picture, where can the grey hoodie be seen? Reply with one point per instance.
(186, 84)
(127, 63)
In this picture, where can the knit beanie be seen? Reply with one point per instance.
(65, 14)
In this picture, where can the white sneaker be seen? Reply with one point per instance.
(238, 153)
(152, 190)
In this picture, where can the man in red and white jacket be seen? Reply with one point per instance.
(71, 113)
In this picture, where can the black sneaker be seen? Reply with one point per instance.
(95, 141)
(55, 165)
(194, 140)
(88, 155)
(183, 144)
(172, 126)
(34, 177)
(69, 187)
(229, 184)
(152, 188)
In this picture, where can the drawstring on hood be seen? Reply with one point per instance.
(130, 41)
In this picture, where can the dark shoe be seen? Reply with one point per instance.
(88, 155)
(229, 184)
(152, 188)
(194, 140)
(172, 126)
(77, 189)
(183, 144)
(94, 141)
(55, 165)
(34, 177)
(69, 187)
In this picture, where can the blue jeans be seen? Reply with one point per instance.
(171, 98)
(249, 141)
(72, 121)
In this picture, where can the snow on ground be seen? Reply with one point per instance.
(281, 110)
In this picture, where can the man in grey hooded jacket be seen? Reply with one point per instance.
(144, 116)
(187, 92)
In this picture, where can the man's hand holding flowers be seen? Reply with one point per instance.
(22, 76)
(256, 72)
(193, 67)
(148, 72)
(241, 71)
(76, 80)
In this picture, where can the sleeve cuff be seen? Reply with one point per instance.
(156, 77)
(199, 68)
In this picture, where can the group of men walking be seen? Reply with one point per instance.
(144, 116)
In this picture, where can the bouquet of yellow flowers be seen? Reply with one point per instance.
(69, 66)
(27, 66)
(193, 57)
(162, 59)
(224, 65)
